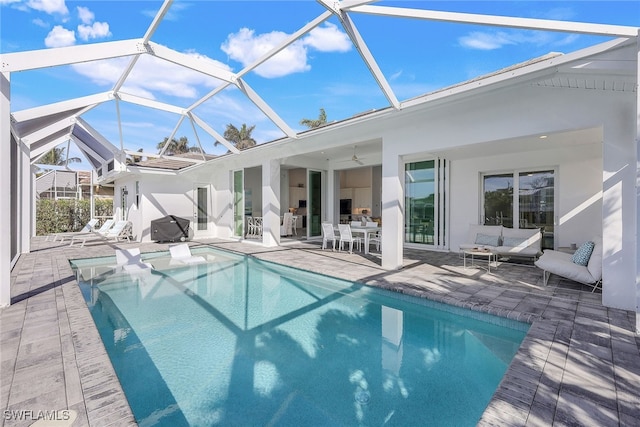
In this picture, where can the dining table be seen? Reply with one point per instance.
(366, 232)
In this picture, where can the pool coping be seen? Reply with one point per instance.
(534, 390)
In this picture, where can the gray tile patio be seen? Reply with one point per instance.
(578, 365)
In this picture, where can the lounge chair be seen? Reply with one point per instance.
(328, 234)
(181, 254)
(120, 230)
(88, 228)
(585, 269)
(130, 261)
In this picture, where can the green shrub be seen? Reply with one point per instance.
(66, 215)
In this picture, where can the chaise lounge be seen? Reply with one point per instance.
(584, 266)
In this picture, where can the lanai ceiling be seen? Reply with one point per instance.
(45, 127)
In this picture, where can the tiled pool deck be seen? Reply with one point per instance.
(578, 365)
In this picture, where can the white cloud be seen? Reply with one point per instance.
(94, 31)
(49, 6)
(246, 47)
(40, 23)
(151, 76)
(496, 40)
(485, 41)
(85, 15)
(60, 37)
(328, 39)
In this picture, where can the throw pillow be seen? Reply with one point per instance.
(582, 255)
(487, 240)
(513, 241)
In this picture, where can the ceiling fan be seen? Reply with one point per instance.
(355, 158)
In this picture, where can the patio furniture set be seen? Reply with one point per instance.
(366, 233)
(493, 242)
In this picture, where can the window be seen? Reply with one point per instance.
(528, 196)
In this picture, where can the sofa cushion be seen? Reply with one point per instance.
(582, 255)
(487, 240)
(513, 241)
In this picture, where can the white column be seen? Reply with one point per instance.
(392, 208)
(271, 203)
(25, 199)
(619, 216)
(331, 198)
(5, 190)
(637, 245)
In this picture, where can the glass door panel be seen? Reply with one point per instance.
(536, 203)
(498, 200)
(202, 211)
(420, 192)
(314, 221)
(238, 203)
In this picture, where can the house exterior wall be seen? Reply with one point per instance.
(160, 195)
(578, 199)
(501, 115)
(480, 131)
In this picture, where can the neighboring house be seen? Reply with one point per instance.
(564, 123)
(68, 184)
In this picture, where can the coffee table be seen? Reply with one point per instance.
(482, 253)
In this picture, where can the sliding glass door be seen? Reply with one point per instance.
(314, 219)
(425, 202)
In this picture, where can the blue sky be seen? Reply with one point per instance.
(322, 70)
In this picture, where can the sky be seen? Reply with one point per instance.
(321, 70)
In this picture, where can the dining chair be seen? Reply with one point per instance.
(328, 234)
(347, 237)
(251, 226)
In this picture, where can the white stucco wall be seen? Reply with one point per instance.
(161, 195)
(578, 172)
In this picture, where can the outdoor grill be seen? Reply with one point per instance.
(170, 229)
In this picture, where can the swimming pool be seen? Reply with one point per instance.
(239, 341)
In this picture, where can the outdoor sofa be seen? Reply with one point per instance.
(503, 241)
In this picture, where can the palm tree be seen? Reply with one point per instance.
(241, 138)
(57, 157)
(177, 146)
(320, 121)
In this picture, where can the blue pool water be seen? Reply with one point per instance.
(238, 341)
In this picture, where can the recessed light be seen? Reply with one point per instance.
(543, 136)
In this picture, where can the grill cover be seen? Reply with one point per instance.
(170, 229)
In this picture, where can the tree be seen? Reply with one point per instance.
(180, 146)
(320, 121)
(241, 138)
(57, 157)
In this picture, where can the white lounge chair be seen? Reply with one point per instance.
(328, 234)
(130, 260)
(88, 228)
(182, 254)
(347, 237)
(120, 230)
